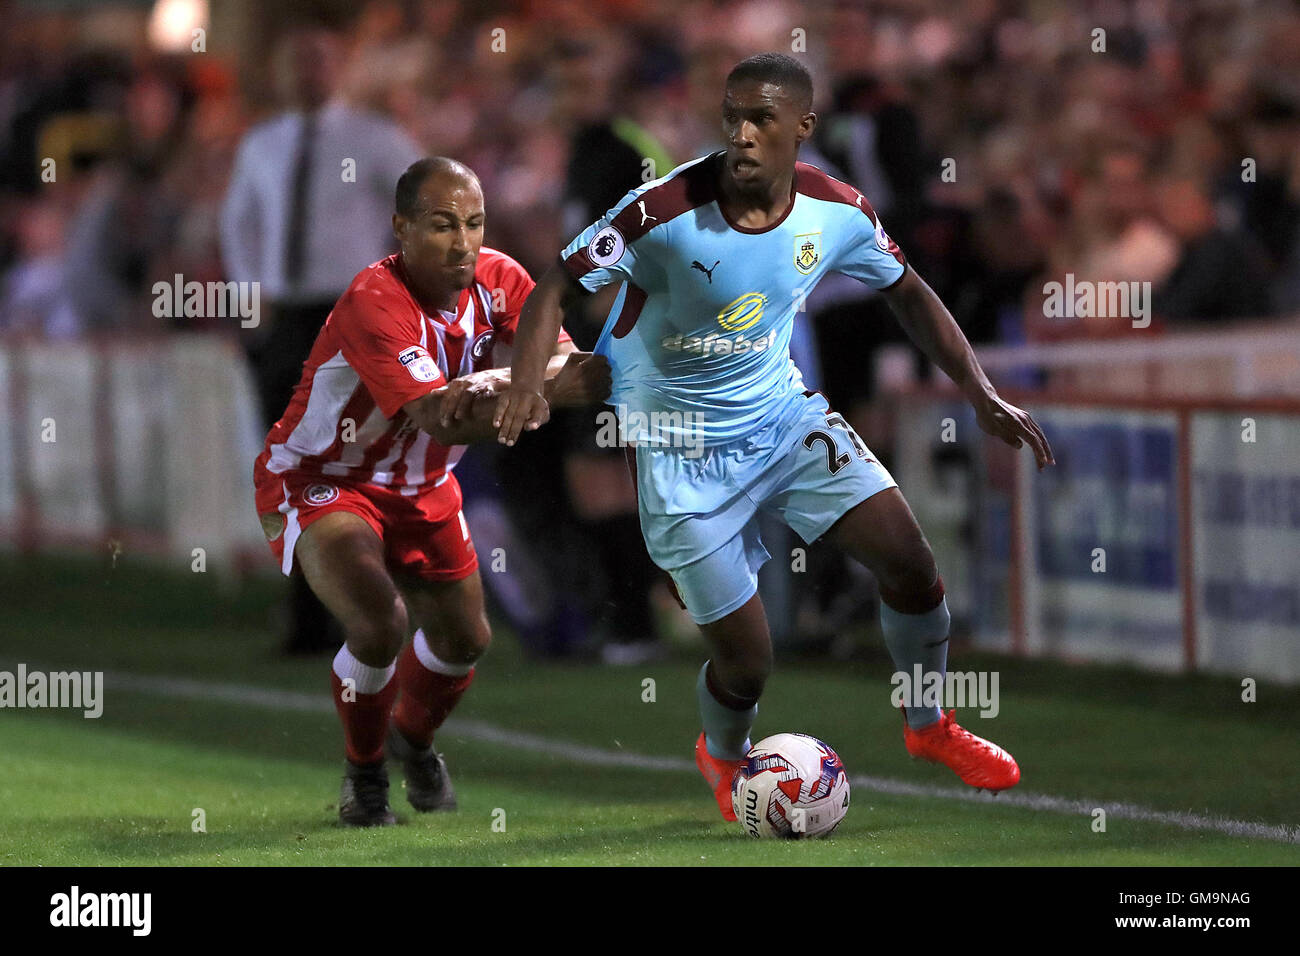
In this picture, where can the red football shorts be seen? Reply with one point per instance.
(424, 534)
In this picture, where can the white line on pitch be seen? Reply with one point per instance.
(273, 699)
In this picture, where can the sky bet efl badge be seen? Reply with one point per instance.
(419, 363)
(807, 251)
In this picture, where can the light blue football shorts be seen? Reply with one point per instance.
(699, 508)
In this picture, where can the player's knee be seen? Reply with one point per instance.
(378, 635)
(475, 637)
(467, 640)
(482, 636)
(910, 579)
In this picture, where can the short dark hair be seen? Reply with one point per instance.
(407, 202)
(781, 70)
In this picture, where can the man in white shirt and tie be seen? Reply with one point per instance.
(306, 209)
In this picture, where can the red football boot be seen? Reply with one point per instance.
(977, 761)
(718, 774)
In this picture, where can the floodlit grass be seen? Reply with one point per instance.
(122, 790)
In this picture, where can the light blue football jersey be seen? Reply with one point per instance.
(698, 338)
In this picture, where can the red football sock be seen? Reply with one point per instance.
(427, 697)
(365, 720)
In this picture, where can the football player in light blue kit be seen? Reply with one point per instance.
(714, 261)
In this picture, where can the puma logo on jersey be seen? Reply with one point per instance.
(708, 272)
(644, 215)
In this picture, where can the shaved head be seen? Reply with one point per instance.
(449, 171)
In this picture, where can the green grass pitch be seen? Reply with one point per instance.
(123, 789)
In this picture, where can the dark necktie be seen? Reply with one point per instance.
(298, 208)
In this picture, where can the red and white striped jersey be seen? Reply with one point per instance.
(379, 350)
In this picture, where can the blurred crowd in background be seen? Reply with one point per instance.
(1003, 143)
(1125, 164)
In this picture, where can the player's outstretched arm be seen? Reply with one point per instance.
(931, 326)
(463, 410)
(523, 405)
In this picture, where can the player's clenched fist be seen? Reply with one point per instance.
(519, 407)
(584, 380)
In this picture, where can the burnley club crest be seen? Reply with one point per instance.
(807, 251)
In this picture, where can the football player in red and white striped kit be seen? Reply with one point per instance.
(355, 482)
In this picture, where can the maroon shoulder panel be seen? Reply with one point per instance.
(689, 189)
(811, 181)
